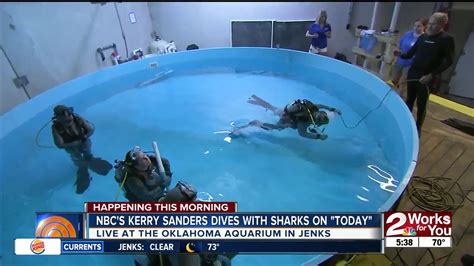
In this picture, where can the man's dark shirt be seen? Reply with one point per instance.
(433, 54)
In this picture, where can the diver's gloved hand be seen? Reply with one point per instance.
(335, 111)
(323, 136)
(313, 130)
(165, 181)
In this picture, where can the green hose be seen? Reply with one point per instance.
(428, 194)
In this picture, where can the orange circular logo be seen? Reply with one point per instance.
(37, 246)
(55, 226)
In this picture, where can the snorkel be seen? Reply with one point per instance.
(161, 169)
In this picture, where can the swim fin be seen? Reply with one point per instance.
(100, 166)
(236, 132)
(82, 180)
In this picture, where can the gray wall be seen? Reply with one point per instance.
(409, 12)
(10, 95)
(361, 14)
(463, 5)
(461, 83)
(208, 24)
(55, 42)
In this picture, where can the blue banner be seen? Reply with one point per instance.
(235, 220)
(85, 246)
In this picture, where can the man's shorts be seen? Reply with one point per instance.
(317, 50)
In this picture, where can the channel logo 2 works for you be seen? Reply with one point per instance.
(418, 229)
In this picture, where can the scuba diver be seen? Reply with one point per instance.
(72, 133)
(183, 192)
(140, 177)
(302, 115)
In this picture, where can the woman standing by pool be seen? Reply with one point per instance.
(319, 32)
(406, 42)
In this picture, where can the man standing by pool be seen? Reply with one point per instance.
(433, 53)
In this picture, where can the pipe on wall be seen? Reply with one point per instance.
(395, 15)
(372, 24)
(15, 72)
(349, 16)
(393, 24)
(374, 15)
(121, 29)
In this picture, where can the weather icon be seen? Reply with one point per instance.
(190, 247)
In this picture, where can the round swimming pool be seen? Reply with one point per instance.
(184, 101)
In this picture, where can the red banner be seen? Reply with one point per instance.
(144, 207)
(418, 223)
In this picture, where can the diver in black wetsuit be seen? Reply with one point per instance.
(302, 115)
(434, 52)
(140, 177)
(72, 133)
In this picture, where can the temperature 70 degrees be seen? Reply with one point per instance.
(438, 241)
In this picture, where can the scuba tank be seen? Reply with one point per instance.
(182, 192)
(120, 170)
(299, 109)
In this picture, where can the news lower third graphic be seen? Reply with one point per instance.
(59, 225)
(418, 229)
(157, 232)
(146, 228)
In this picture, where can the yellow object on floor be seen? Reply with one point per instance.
(390, 82)
(452, 105)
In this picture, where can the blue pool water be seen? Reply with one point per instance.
(181, 104)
